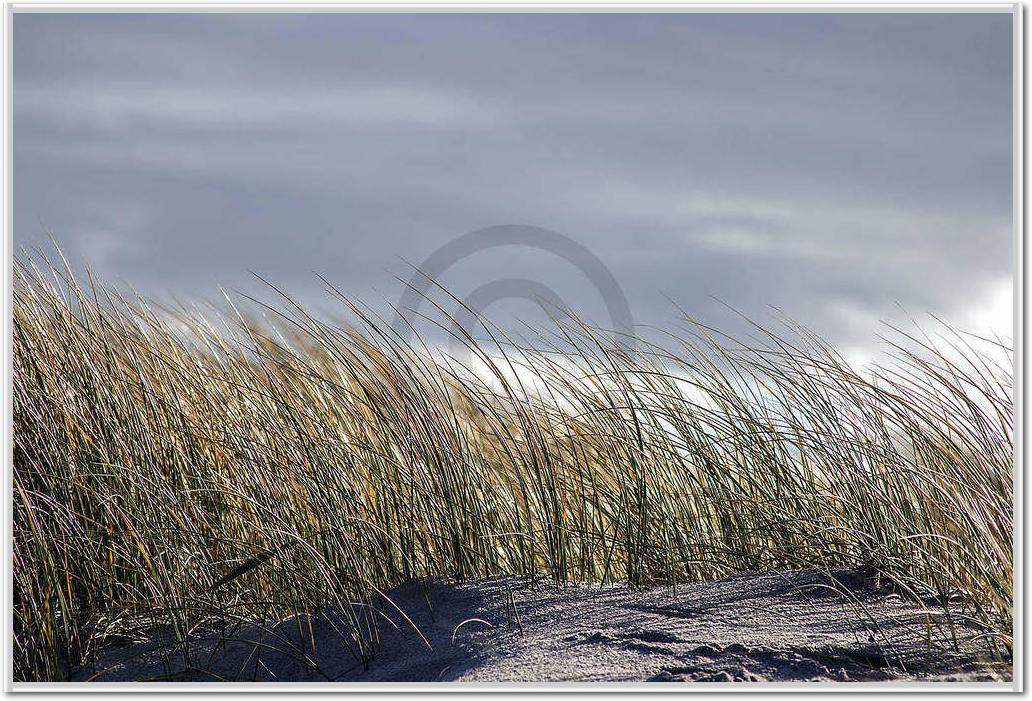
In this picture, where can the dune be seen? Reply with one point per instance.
(796, 626)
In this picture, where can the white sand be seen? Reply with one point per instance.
(788, 626)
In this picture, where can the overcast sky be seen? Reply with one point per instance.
(834, 166)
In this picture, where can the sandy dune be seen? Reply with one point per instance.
(789, 626)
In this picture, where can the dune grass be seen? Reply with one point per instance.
(171, 467)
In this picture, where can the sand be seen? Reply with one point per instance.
(786, 626)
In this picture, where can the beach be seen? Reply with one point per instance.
(798, 626)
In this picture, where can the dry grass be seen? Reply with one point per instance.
(172, 467)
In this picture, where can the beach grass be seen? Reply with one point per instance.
(175, 466)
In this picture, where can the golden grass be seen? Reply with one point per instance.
(179, 466)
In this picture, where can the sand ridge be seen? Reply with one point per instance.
(803, 625)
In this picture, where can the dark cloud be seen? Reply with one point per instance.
(833, 165)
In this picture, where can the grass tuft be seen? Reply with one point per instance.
(172, 468)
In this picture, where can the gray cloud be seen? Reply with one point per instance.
(831, 165)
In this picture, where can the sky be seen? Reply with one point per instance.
(844, 169)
